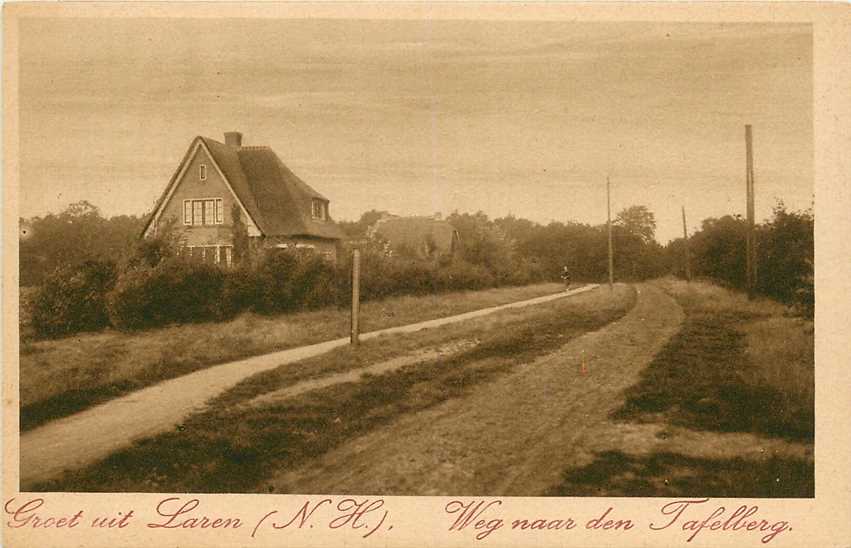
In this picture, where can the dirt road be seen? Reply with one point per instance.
(80, 439)
(514, 436)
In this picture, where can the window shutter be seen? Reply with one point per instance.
(187, 212)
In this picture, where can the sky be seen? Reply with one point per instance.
(418, 117)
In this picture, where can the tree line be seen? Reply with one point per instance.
(91, 271)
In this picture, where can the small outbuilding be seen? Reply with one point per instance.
(425, 237)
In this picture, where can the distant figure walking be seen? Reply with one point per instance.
(565, 276)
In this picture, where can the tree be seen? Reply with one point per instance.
(77, 234)
(240, 236)
(483, 243)
(358, 229)
(785, 248)
(718, 249)
(638, 220)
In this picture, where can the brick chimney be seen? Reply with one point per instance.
(233, 139)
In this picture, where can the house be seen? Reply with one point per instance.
(218, 186)
(425, 237)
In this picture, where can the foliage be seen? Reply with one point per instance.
(462, 275)
(72, 299)
(638, 221)
(785, 248)
(359, 228)
(584, 248)
(154, 287)
(293, 280)
(78, 234)
(784, 254)
(152, 250)
(174, 291)
(484, 243)
(240, 236)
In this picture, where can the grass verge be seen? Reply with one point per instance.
(235, 448)
(716, 374)
(735, 366)
(63, 376)
(615, 474)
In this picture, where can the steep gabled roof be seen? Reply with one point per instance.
(415, 232)
(275, 198)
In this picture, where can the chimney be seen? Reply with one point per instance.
(233, 139)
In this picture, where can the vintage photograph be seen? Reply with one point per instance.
(416, 257)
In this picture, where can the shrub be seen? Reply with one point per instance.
(387, 276)
(241, 291)
(314, 282)
(72, 299)
(274, 279)
(173, 291)
(463, 275)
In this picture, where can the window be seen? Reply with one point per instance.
(221, 255)
(202, 172)
(197, 212)
(209, 211)
(318, 211)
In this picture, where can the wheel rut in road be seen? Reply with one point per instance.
(513, 436)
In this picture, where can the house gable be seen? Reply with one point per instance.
(187, 184)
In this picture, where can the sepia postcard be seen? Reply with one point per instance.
(426, 274)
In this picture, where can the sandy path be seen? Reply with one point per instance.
(83, 438)
(514, 436)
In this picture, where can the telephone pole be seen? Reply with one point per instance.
(685, 241)
(609, 223)
(751, 234)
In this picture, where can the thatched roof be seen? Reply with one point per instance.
(417, 233)
(276, 199)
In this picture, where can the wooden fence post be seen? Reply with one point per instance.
(355, 340)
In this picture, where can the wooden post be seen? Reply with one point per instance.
(685, 241)
(751, 236)
(609, 223)
(355, 339)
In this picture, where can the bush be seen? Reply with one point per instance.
(314, 282)
(383, 277)
(463, 275)
(72, 299)
(274, 279)
(241, 291)
(157, 287)
(173, 291)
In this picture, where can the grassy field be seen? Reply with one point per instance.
(736, 367)
(235, 446)
(62, 376)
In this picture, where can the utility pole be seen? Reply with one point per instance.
(609, 222)
(355, 335)
(751, 234)
(685, 241)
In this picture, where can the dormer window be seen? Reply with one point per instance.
(202, 172)
(319, 211)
